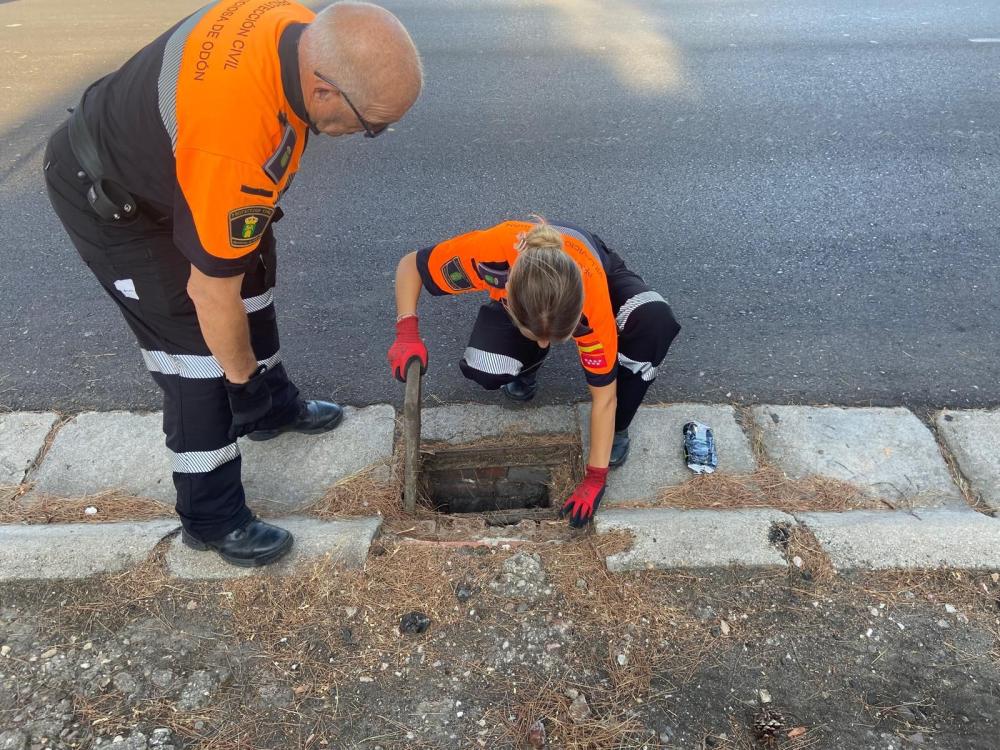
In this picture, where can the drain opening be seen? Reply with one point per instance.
(504, 481)
(489, 488)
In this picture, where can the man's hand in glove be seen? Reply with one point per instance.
(583, 503)
(406, 347)
(249, 402)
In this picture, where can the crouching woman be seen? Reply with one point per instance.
(547, 283)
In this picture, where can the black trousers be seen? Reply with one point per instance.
(145, 274)
(497, 352)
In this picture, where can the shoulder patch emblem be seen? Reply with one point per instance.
(277, 165)
(247, 224)
(455, 276)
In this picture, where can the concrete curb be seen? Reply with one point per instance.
(887, 452)
(76, 550)
(973, 437)
(22, 437)
(64, 551)
(925, 540)
(97, 451)
(669, 538)
(121, 450)
(343, 542)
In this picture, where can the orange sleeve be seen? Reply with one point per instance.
(597, 337)
(224, 207)
(598, 349)
(455, 266)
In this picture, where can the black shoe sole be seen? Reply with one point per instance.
(240, 562)
(530, 395)
(259, 436)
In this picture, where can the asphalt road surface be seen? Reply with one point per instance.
(812, 184)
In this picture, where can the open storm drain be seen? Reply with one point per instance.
(506, 483)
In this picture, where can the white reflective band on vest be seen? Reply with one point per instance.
(644, 370)
(258, 303)
(494, 364)
(200, 462)
(194, 366)
(632, 303)
(170, 70)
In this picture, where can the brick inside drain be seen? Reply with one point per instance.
(504, 482)
(490, 488)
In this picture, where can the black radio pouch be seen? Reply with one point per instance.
(109, 200)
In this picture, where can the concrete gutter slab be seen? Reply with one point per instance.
(95, 452)
(973, 437)
(291, 471)
(668, 539)
(888, 453)
(22, 435)
(346, 542)
(99, 451)
(924, 539)
(59, 551)
(656, 459)
(464, 423)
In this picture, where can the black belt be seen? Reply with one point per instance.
(109, 200)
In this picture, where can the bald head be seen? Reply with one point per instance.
(368, 53)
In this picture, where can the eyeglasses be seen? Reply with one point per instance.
(371, 131)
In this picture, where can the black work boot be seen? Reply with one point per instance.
(253, 544)
(313, 418)
(619, 448)
(522, 388)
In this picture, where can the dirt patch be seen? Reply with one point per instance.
(768, 487)
(366, 493)
(973, 498)
(102, 507)
(803, 552)
(9, 493)
(523, 641)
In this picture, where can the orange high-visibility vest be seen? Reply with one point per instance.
(479, 261)
(206, 125)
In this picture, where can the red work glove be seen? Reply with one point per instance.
(583, 503)
(407, 346)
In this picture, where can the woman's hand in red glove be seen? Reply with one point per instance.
(406, 347)
(583, 503)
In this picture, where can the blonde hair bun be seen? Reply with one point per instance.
(545, 288)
